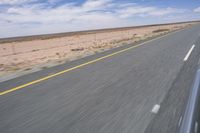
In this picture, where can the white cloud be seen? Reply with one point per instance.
(96, 4)
(92, 14)
(19, 11)
(197, 10)
(61, 14)
(147, 11)
(91, 10)
(15, 2)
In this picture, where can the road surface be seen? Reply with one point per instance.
(131, 89)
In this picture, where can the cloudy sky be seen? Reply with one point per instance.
(30, 17)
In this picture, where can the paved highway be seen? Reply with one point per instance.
(133, 89)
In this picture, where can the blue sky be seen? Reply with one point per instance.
(32, 17)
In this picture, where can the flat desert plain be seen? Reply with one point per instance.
(20, 55)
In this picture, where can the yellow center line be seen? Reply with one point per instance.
(76, 67)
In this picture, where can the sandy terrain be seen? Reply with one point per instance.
(25, 55)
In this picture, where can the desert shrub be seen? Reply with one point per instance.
(57, 54)
(27, 69)
(160, 30)
(35, 50)
(77, 49)
(44, 67)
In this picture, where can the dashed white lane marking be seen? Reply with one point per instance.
(180, 121)
(196, 127)
(155, 109)
(199, 62)
(189, 53)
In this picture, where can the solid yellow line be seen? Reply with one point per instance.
(73, 68)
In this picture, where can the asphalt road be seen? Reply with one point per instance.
(114, 95)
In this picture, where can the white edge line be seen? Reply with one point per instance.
(189, 53)
(155, 109)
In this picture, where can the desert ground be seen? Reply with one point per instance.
(24, 55)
